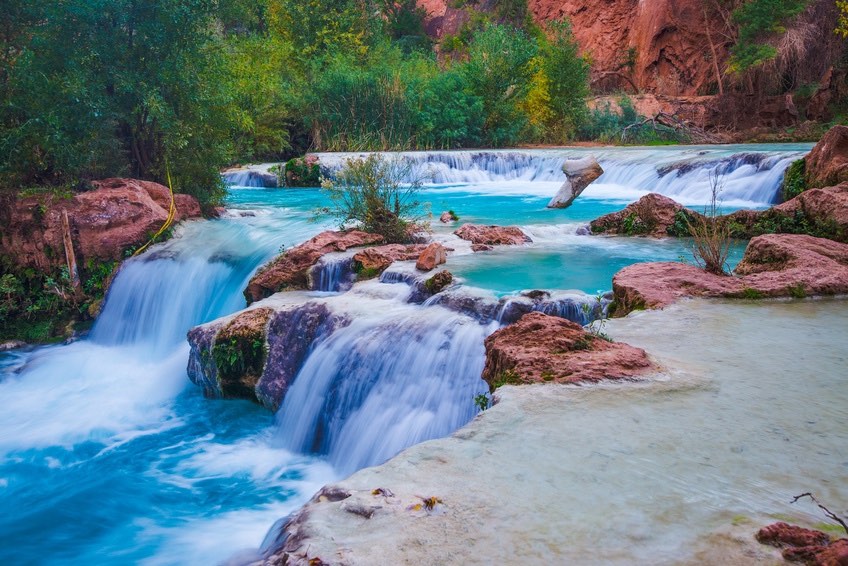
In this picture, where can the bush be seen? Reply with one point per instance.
(303, 172)
(376, 194)
(711, 237)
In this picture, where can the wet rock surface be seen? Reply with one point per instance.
(377, 259)
(652, 215)
(809, 546)
(541, 348)
(433, 255)
(774, 265)
(483, 237)
(290, 270)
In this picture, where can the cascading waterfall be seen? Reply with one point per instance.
(749, 173)
(392, 378)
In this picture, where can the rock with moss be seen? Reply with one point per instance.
(303, 172)
(774, 265)
(653, 215)
(540, 348)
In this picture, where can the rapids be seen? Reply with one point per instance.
(108, 455)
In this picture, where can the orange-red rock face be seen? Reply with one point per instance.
(104, 222)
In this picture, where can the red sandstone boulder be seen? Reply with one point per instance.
(774, 265)
(290, 269)
(805, 545)
(827, 206)
(543, 348)
(492, 235)
(651, 215)
(104, 222)
(433, 255)
(378, 258)
(827, 163)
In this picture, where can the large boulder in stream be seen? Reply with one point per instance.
(542, 348)
(774, 265)
(579, 174)
(256, 353)
(116, 215)
(652, 215)
(290, 270)
(484, 237)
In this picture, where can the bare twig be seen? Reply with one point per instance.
(827, 511)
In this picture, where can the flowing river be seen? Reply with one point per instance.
(108, 455)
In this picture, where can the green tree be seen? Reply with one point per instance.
(498, 72)
(758, 22)
(567, 74)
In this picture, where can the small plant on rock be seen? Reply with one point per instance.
(377, 194)
(711, 237)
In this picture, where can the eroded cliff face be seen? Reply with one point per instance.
(667, 47)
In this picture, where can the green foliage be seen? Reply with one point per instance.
(303, 172)
(41, 305)
(759, 21)
(679, 228)
(752, 294)
(239, 355)
(482, 402)
(774, 222)
(375, 193)
(498, 72)
(507, 377)
(798, 291)
(794, 180)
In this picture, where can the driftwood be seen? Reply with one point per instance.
(694, 133)
(828, 512)
(70, 257)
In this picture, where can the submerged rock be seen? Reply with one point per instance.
(652, 215)
(486, 236)
(542, 348)
(579, 174)
(290, 269)
(774, 265)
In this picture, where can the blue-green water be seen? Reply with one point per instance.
(108, 455)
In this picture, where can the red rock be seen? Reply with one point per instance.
(116, 215)
(774, 265)
(380, 257)
(481, 248)
(446, 217)
(543, 348)
(290, 269)
(828, 205)
(651, 215)
(492, 235)
(827, 163)
(433, 255)
(782, 534)
(805, 545)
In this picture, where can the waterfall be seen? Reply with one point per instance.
(397, 375)
(333, 273)
(749, 174)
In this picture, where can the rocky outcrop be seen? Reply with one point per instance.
(805, 545)
(827, 163)
(376, 259)
(290, 269)
(541, 348)
(448, 217)
(774, 265)
(257, 353)
(579, 174)
(652, 215)
(117, 215)
(433, 255)
(483, 237)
